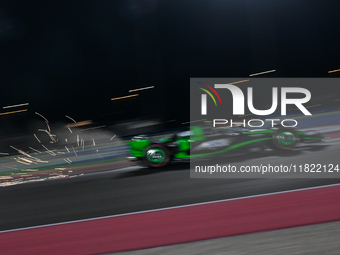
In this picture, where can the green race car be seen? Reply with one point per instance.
(208, 142)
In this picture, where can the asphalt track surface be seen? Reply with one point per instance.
(181, 224)
(137, 189)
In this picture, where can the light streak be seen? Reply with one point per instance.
(70, 118)
(26, 160)
(99, 155)
(93, 128)
(74, 151)
(313, 106)
(193, 121)
(14, 148)
(41, 116)
(81, 123)
(333, 71)
(270, 71)
(34, 150)
(117, 98)
(308, 106)
(48, 126)
(48, 151)
(49, 134)
(112, 137)
(162, 122)
(17, 105)
(238, 82)
(37, 138)
(34, 160)
(167, 121)
(94, 143)
(132, 90)
(5, 113)
(22, 162)
(69, 162)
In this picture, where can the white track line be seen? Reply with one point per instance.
(172, 207)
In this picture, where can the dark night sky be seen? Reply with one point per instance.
(72, 57)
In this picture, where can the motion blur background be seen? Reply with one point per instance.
(72, 57)
(72, 66)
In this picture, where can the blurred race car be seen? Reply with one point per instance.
(207, 142)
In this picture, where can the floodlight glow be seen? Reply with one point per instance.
(333, 71)
(5, 113)
(117, 98)
(255, 74)
(132, 90)
(17, 105)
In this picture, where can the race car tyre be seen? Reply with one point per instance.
(156, 155)
(285, 139)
